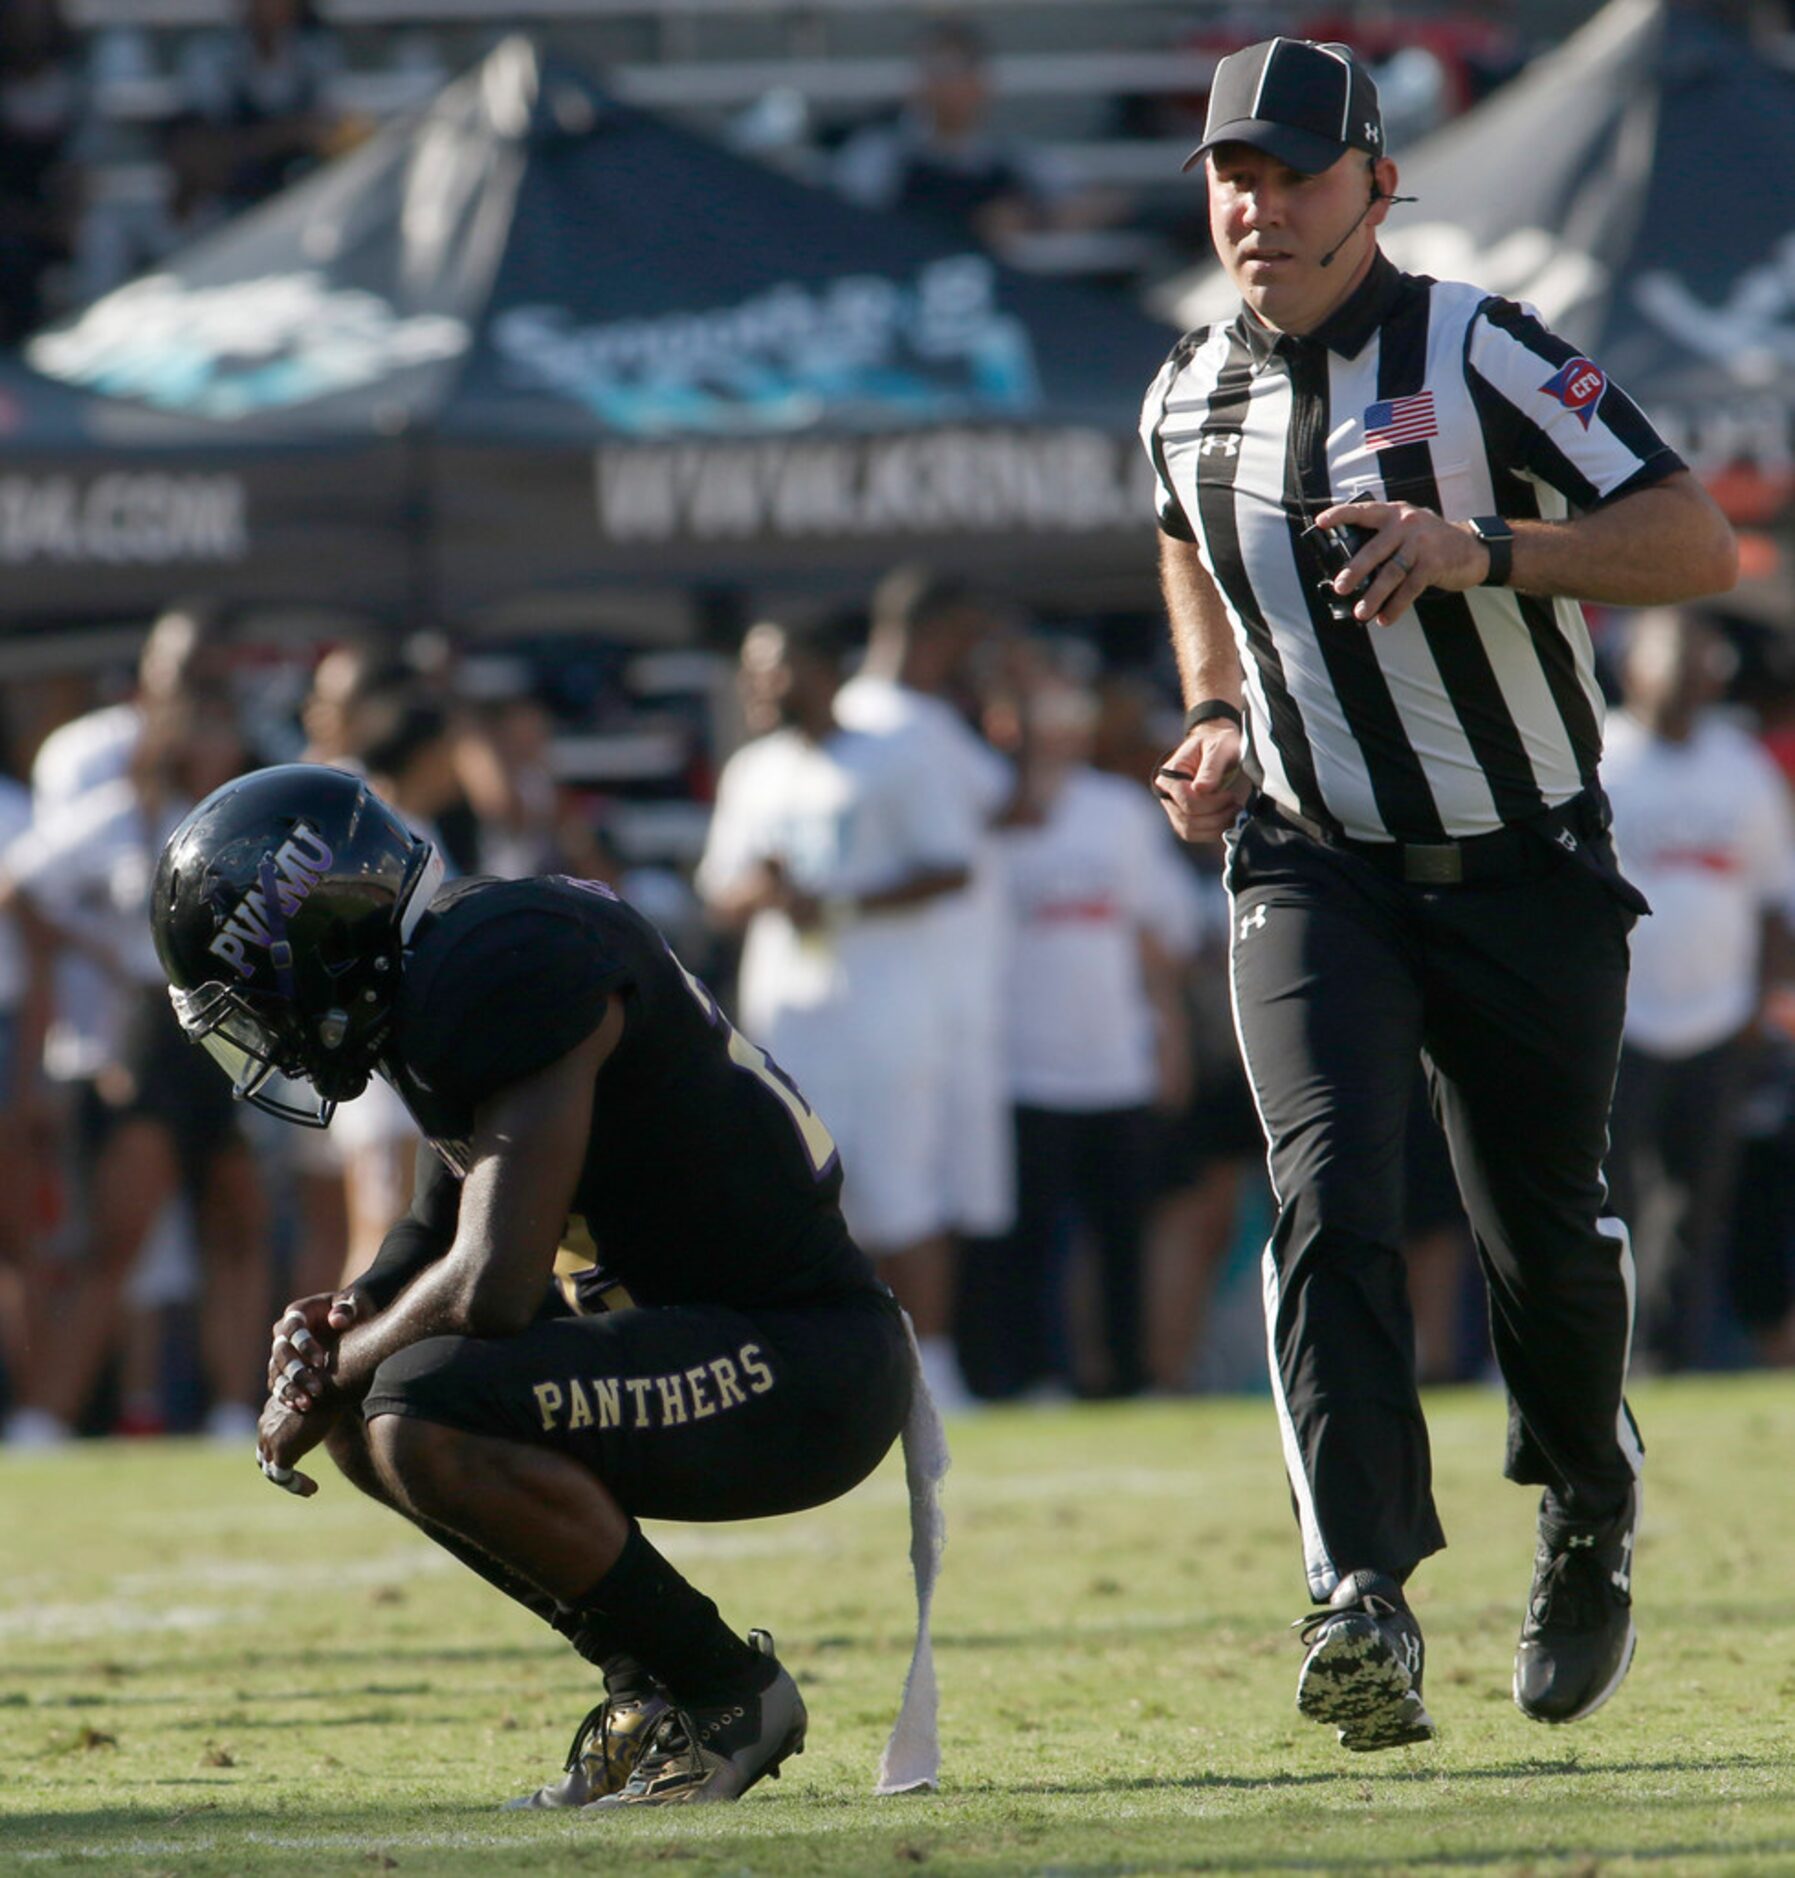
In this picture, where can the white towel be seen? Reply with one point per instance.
(911, 1762)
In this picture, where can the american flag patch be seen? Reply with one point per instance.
(1400, 420)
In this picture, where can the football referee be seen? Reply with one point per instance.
(1380, 499)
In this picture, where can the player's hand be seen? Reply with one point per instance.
(304, 1347)
(1410, 550)
(283, 1438)
(1200, 782)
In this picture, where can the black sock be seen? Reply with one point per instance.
(593, 1636)
(625, 1679)
(674, 1630)
(596, 1638)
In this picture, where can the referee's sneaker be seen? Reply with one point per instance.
(1363, 1671)
(1577, 1639)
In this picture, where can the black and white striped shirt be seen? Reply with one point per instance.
(1476, 709)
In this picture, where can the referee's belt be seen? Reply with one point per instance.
(1572, 830)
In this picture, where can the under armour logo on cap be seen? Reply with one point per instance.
(1303, 102)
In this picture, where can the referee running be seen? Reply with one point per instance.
(1381, 497)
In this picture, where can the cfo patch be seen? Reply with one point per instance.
(1578, 385)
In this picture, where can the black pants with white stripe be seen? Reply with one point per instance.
(1512, 993)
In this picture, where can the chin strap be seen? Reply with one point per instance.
(912, 1758)
(417, 902)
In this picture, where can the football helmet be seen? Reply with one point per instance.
(281, 910)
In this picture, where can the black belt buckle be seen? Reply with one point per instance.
(1433, 864)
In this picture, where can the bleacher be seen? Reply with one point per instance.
(1107, 92)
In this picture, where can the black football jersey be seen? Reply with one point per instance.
(708, 1178)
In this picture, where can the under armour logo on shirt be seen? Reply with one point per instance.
(1252, 921)
(1220, 443)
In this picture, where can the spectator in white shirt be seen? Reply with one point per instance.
(150, 1111)
(1104, 913)
(1703, 824)
(827, 847)
(916, 682)
(185, 647)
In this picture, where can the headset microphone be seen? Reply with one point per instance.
(1376, 196)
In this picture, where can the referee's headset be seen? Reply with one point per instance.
(1377, 195)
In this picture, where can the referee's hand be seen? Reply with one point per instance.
(1200, 782)
(1410, 550)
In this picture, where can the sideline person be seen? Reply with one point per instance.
(1703, 818)
(832, 852)
(151, 1127)
(624, 1289)
(1380, 497)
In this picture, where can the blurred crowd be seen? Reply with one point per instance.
(109, 159)
(120, 144)
(149, 1223)
(935, 889)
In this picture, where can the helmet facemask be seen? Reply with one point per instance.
(250, 1051)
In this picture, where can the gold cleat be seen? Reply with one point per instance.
(607, 1746)
(718, 1752)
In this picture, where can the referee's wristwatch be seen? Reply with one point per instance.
(1499, 538)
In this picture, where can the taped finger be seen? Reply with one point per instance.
(282, 1477)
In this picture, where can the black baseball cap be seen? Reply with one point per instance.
(1305, 103)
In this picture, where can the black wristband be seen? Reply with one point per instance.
(1209, 710)
(1499, 540)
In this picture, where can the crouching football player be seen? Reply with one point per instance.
(624, 1288)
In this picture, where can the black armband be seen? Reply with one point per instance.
(407, 1249)
(1209, 710)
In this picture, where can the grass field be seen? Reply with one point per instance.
(199, 1675)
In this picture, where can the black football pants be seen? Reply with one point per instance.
(1512, 994)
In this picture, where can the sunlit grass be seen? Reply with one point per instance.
(201, 1675)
